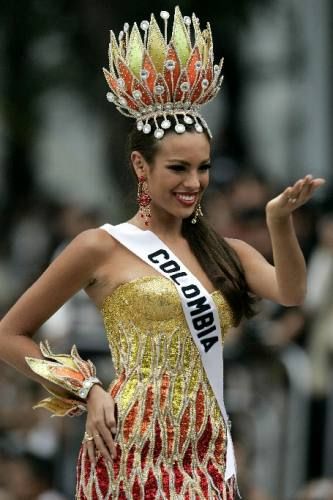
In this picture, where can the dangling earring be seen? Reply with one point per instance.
(197, 213)
(143, 198)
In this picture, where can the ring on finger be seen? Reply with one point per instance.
(87, 437)
(85, 440)
(292, 199)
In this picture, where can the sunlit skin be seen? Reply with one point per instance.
(97, 263)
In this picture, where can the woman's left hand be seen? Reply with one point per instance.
(293, 197)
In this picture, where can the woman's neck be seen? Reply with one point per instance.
(165, 227)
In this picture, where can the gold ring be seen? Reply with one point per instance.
(96, 436)
(87, 437)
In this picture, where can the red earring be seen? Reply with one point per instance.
(143, 198)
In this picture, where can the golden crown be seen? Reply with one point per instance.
(150, 77)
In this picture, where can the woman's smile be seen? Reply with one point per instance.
(187, 199)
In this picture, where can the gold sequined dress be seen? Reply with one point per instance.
(171, 437)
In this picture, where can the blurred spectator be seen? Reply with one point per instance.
(320, 489)
(236, 208)
(4, 495)
(30, 478)
(319, 310)
(78, 320)
(319, 306)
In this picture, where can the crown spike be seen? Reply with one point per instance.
(209, 37)
(180, 37)
(157, 46)
(208, 44)
(135, 51)
(114, 49)
(199, 40)
(110, 57)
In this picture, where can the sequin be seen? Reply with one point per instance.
(171, 438)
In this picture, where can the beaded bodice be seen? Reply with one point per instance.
(147, 331)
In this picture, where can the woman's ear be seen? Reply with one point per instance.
(139, 164)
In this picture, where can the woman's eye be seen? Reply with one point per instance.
(206, 166)
(177, 168)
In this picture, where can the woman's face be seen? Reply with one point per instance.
(179, 174)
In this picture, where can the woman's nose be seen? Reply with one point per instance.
(192, 181)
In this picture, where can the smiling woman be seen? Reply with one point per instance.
(168, 288)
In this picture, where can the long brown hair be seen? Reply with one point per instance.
(217, 258)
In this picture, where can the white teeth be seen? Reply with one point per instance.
(186, 197)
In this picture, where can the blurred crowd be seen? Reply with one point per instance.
(278, 365)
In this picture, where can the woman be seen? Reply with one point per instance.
(167, 286)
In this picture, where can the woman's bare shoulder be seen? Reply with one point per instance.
(86, 251)
(246, 252)
(238, 245)
(94, 240)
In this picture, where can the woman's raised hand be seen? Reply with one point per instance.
(101, 425)
(293, 197)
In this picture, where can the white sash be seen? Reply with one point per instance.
(199, 309)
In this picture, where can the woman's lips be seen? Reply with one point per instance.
(186, 199)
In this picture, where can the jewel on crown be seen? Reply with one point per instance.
(152, 78)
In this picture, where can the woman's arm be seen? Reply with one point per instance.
(71, 271)
(285, 282)
(75, 268)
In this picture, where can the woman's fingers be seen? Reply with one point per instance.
(101, 423)
(90, 447)
(110, 416)
(106, 440)
(309, 187)
(96, 445)
(302, 190)
(308, 190)
(103, 448)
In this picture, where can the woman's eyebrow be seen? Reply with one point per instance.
(182, 162)
(186, 163)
